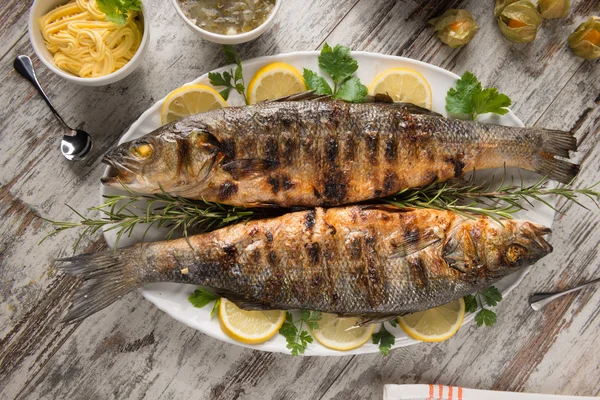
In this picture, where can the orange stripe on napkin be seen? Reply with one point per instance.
(441, 389)
(459, 393)
(449, 392)
(430, 391)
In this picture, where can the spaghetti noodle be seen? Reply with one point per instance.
(84, 43)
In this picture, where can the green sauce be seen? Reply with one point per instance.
(227, 17)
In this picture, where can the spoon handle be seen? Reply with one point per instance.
(24, 66)
(540, 300)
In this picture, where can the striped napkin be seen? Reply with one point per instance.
(441, 392)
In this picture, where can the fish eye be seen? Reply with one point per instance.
(514, 253)
(142, 150)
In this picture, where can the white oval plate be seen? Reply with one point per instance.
(172, 298)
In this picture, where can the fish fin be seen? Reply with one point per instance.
(106, 278)
(375, 319)
(556, 144)
(244, 304)
(386, 101)
(407, 243)
(303, 96)
(243, 168)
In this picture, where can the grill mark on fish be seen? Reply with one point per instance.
(269, 236)
(230, 252)
(226, 190)
(391, 183)
(336, 189)
(286, 183)
(183, 160)
(332, 150)
(271, 149)
(391, 148)
(228, 150)
(287, 152)
(371, 141)
(457, 164)
(316, 193)
(355, 248)
(274, 183)
(417, 271)
(309, 220)
(349, 147)
(314, 253)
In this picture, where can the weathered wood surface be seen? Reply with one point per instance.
(132, 350)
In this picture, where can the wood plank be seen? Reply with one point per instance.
(132, 350)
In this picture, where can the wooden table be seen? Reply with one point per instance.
(133, 350)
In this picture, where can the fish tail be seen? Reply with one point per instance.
(107, 276)
(555, 144)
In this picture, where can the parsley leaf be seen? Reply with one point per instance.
(471, 304)
(232, 79)
(337, 62)
(201, 297)
(393, 323)
(469, 99)
(486, 317)
(117, 10)
(492, 296)
(316, 82)
(215, 308)
(384, 339)
(490, 101)
(351, 90)
(297, 338)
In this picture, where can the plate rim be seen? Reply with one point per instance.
(518, 276)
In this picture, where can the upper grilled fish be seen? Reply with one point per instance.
(325, 153)
(368, 261)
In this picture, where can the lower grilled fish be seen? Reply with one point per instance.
(368, 261)
(325, 153)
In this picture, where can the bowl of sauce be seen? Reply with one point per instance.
(228, 21)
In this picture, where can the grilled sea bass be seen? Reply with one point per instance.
(375, 262)
(324, 153)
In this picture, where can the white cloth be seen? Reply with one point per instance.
(441, 392)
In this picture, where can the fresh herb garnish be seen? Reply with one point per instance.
(296, 337)
(469, 99)
(384, 339)
(117, 10)
(201, 297)
(490, 297)
(232, 79)
(338, 63)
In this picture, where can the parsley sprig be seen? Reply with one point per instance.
(338, 63)
(468, 99)
(490, 297)
(296, 337)
(201, 297)
(384, 339)
(117, 10)
(232, 79)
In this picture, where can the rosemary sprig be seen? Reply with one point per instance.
(124, 212)
(495, 201)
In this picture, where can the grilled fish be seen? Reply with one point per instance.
(375, 262)
(324, 153)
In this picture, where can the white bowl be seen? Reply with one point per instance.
(229, 39)
(42, 7)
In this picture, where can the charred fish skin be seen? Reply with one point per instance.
(325, 153)
(364, 261)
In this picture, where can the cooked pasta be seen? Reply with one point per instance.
(84, 43)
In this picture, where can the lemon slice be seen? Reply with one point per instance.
(341, 333)
(249, 326)
(274, 81)
(189, 100)
(403, 85)
(435, 325)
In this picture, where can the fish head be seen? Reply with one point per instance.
(161, 161)
(496, 249)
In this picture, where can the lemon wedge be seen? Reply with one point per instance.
(189, 100)
(403, 85)
(274, 81)
(436, 324)
(341, 333)
(249, 327)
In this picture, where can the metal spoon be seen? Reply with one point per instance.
(540, 300)
(76, 144)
